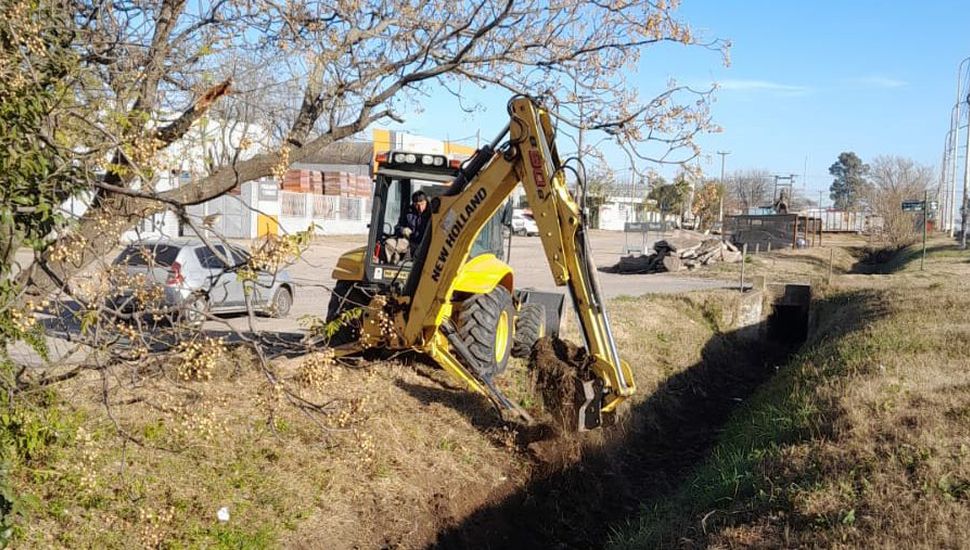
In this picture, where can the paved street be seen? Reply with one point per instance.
(312, 274)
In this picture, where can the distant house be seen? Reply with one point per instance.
(616, 211)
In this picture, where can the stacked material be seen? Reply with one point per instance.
(365, 186)
(345, 184)
(303, 181)
(339, 184)
(678, 253)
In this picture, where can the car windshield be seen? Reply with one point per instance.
(162, 255)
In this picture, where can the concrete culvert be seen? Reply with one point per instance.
(788, 320)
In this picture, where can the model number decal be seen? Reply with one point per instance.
(536, 160)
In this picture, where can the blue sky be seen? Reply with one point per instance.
(807, 80)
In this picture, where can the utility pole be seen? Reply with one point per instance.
(949, 169)
(720, 206)
(926, 196)
(966, 181)
(955, 126)
(942, 193)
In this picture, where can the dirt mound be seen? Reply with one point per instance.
(558, 368)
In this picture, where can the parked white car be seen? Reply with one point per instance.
(197, 280)
(524, 224)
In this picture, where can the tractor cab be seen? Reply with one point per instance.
(398, 176)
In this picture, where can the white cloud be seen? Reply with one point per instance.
(876, 81)
(741, 85)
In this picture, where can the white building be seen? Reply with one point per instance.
(617, 211)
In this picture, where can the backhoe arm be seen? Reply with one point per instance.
(563, 232)
(530, 157)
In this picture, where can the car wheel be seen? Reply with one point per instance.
(193, 313)
(281, 304)
(346, 296)
(485, 325)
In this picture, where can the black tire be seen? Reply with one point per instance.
(529, 327)
(482, 319)
(281, 304)
(346, 296)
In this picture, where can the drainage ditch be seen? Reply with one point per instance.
(657, 445)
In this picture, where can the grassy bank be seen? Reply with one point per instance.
(859, 440)
(403, 456)
(862, 440)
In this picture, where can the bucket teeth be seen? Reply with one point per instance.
(589, 411)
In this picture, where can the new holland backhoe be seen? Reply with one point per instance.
(453, 297)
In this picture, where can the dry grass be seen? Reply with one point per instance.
(405, 455)
(389, 459)
(862, 441)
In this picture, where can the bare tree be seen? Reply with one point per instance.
(749, 189)
(317, 72)
(136, 84)
(893, 180)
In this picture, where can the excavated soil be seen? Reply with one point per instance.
(558, 368)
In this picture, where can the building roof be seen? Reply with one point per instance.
(343, 152)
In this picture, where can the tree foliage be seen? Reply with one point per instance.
(669, 197)
(707, 204)
(850, 184)
(39, 167)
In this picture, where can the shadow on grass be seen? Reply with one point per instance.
(645, 459)
(68, 320)
(476, 408)
(889, 260)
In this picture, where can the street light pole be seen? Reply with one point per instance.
(966, 181)
(955, 126)
(720, 206)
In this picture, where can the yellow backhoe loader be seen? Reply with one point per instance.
(451, 296)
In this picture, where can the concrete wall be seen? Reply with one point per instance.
(233, 214)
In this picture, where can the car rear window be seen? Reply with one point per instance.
(209, 260)
(162, 255)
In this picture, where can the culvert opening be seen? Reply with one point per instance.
(788, 320)
(576, 504)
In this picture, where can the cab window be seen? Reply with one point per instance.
(392, 207)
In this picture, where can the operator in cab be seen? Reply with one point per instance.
(409, 233)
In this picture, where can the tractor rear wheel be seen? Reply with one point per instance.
(346, 296)
(485, 326)
(529, 327)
